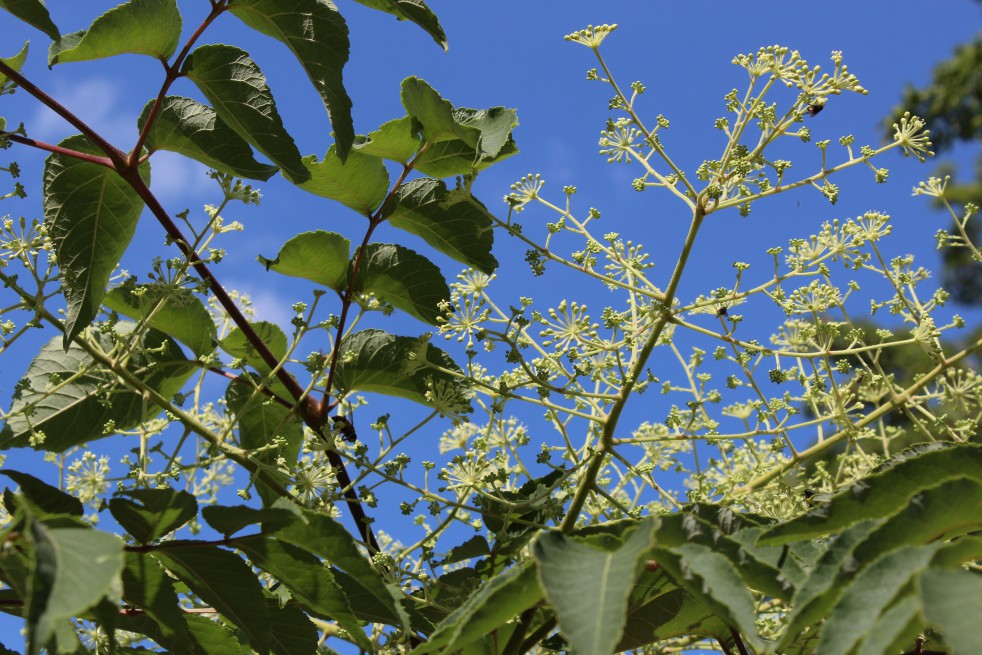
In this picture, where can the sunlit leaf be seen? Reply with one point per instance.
(75, 568)
(451, 158)
(319, 256)
(953, 604)
(230, 519)
(238, 345)
(316, 33)
(360, 183)
(142, 27)
(395, 140)
(237, 89)
(90, 213)
(195, 130)
(176, 312)
(145, 585)
(14, 62)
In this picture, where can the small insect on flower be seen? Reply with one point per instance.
(815, 106)
(346, 428)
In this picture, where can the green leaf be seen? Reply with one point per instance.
(176, 312)
(260, 421)
(402, 278)
(316, 33)
(450, 158)
(414, 11)
(230, 519)
(34, 13)
(75, 568)
(674, 613)
(818, 595)
(884, 493)
(588, 587)
(953, 604)
(319, 256)
(140, 27)
(486, 132)
(434, 114)
(360, 182)
(326, 538)
(237, 89)
(292, 632)
(90, 213)
(14, 62)
(490, 607)
(453, 222)
(476, 546)
(869, 594)
(195, 130)
(895, 628)
(145, 585)
(373, 360)
(70, 399)
(715, 582)
(149, 514)
(221, 579)
(395, 140)
(45, 497)
(309, 581)
(237, 345)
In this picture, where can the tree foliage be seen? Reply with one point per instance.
(793, 537)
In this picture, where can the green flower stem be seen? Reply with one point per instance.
(589, 480)
(895, 402)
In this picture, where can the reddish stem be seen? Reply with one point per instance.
(68, 152)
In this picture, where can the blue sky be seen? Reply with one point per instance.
(513, 54)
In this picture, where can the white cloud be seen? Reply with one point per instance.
(96, 101)
(176, 180)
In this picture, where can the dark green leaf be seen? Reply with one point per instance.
(229, 520)
(34, 13)
(414, 11)
(896, 627)
(316, 33)
(884, 493)
(71, 400)
(869, 594)
(715, 582)
(149, 514)
(401, 277)
(674, 613)
(14, 62)
(141, 27)
(373, 360)
(319, 256)
(395, 140)
(177, 312)
(75, 568)
(360, 182)
(588, 588)
(45, 497)
(195, 130)
(292, 631)
(260, 421)
(450, 158)
(476, 546)
(146, 586)
(309, 581)
(490, 607)
(237, 345)
(237, 89)
(453, 222)
(91, 214)
(326, 538)
(953, 604)
(222, 580)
